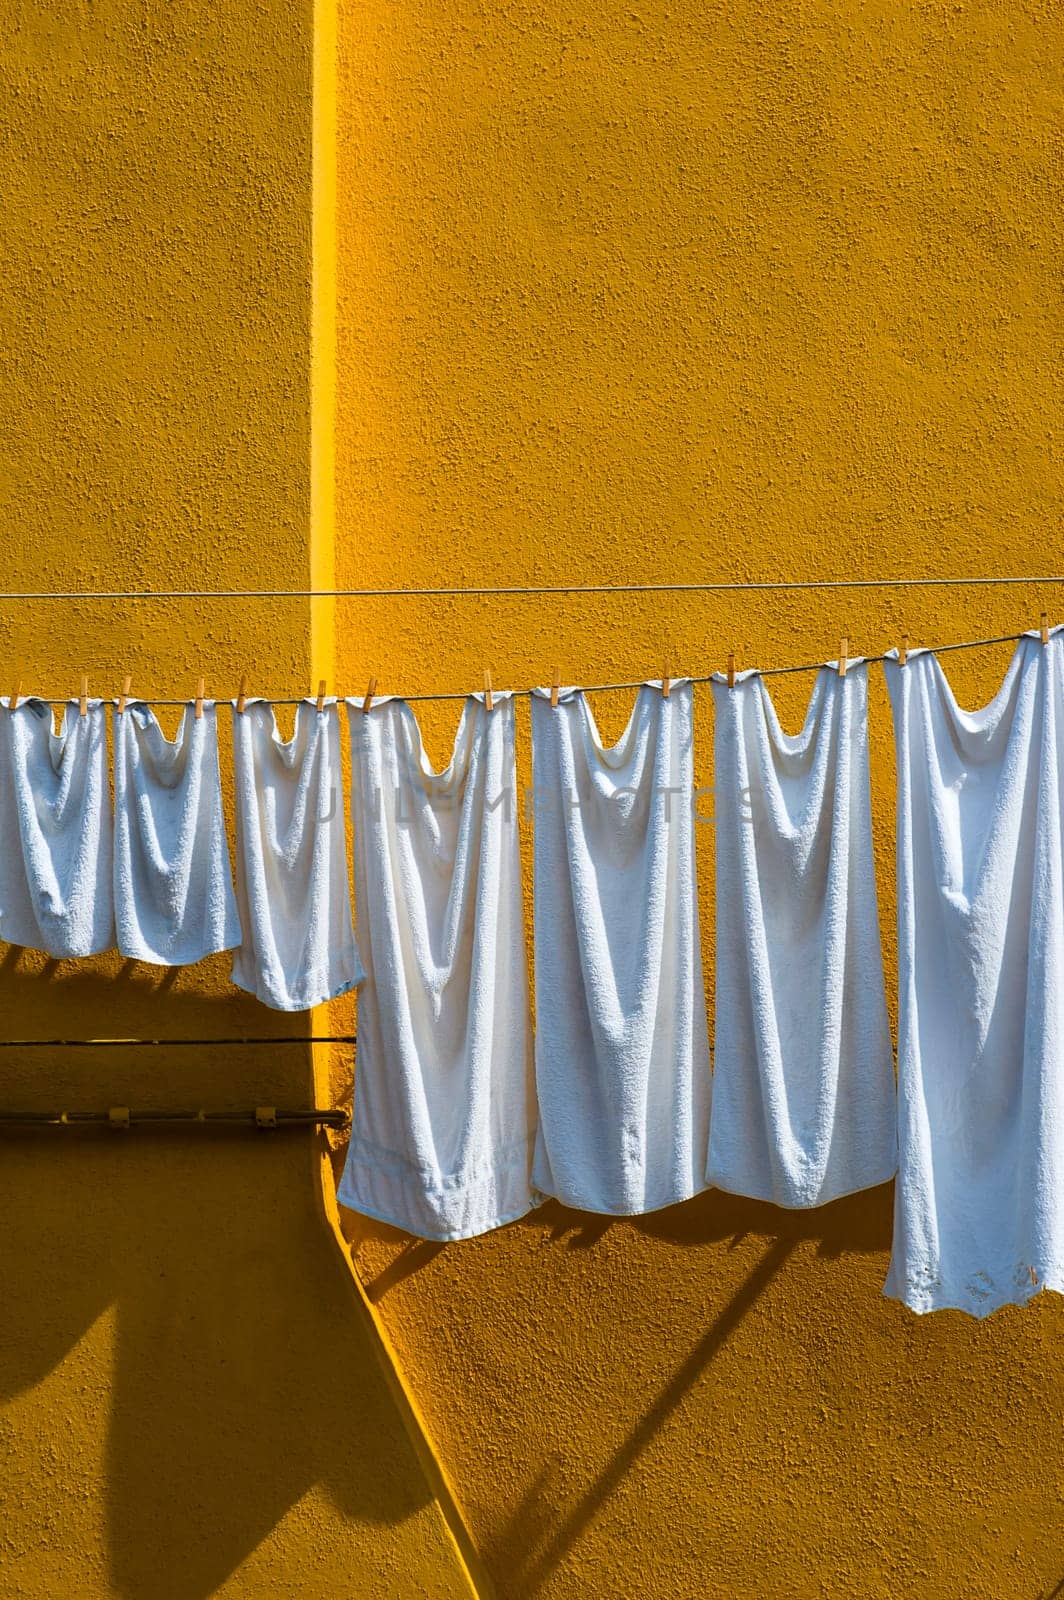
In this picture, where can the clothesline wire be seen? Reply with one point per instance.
(591, 688)
(938, 650)
(723, 587)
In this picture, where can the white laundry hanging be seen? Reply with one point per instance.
(298, 947)
(173, 886)
(444, 1107)
(622, 1051)
(803, 1084)
(979, 1207)
(55, 867)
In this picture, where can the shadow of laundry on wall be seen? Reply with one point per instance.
(244, 1374)
(107, 995)
(246, 1370)
(858, 1223)
(546, 1539)
(414, 1255)
(565, 1345)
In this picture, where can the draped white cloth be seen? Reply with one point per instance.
(173, 883)
(803, 1086)
(298, 946)
(979, 1210)
(622, 1050)
(444, 1109)
(55, 864)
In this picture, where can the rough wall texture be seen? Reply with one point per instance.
(659, 291)
(190, 1397)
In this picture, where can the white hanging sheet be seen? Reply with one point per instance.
(55, 867)
(173, 884)
(622, 1051)
(803, 1086)
(298, 948)
(979, 1210)
(444, 1107)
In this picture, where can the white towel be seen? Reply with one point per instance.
(803, 1082)
(444, 1112)
(979, 1207)
(298, 948)
(55, 866)
(174, 900)
(622, 1051)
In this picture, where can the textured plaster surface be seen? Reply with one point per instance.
(662, 292)
(190, 1397)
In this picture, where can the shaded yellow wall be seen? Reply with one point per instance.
(192, 1399)
(652, 292)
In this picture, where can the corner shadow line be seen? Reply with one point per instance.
(685, 1377)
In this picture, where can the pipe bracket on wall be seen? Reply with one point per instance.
(122, 1118)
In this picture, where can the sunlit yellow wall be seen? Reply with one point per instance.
(191, 1400)
(668, 291)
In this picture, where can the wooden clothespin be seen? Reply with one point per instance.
(242, 697)
(731, 672)
(199, 700)
(370, 692)
(555, 686)
(321, 695)
(843, 661)
(83, 699)
(13, 702)
(124, 696)
(903, 653)
(666, 681)
(489, 702)
(1043, 624)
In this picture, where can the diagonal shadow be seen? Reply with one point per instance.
(536, 1567)
(239, 1338)
(411, 1258)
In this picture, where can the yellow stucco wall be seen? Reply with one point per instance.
(664, 291)
(625, 292)
(192, 1400)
